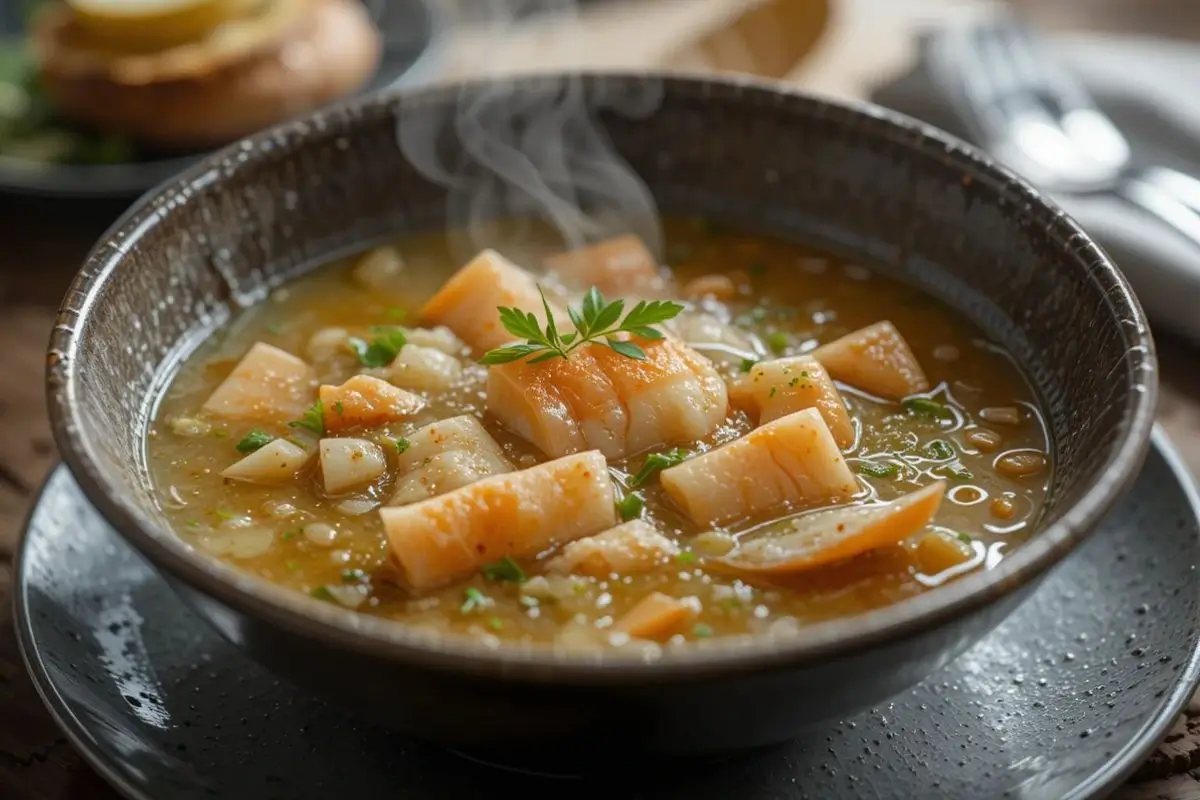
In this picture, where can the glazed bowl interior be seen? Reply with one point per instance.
(856, 180)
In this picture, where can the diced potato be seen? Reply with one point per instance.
(631, 547)
(379, 270)
(776, 388)
(620, 267)
(446, 472)
(350, 463)
(424, 369)
(824, 537)
(267, 385)
(463, 432)
(439, 338)
(519, 514)
(467, 303)
(276, 462)
(366, 402)
(656, 616)
(792, 461)
(875, 359)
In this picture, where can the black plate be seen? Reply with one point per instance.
(412, 39)
(1062, 701)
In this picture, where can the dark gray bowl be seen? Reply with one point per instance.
(857, 179)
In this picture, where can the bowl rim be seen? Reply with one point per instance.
(393, 641)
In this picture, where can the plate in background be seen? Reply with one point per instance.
(412, 33)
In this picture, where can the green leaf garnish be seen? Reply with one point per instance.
(656, 462)
(596, 320)
(313, 419)
(338, 409)
(401, 444)
(475, 599)
(926, 407)
(495, 623)
(254, 440)
(504, 570)
(964, 537)
(322, 593)
(702, 631)
(383, 349)
(630, 506)
(686, 557)
(940, 450)
(748, 364)
(878, 470)
(778, 341)
(957, 473)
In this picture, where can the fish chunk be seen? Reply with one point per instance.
(875, 359)
(824, 537)
(349, 463)
(519, 514)
(656, 616)
(424, 369)
(600, 399)
(467, 303)
(463, 432)
(773, 389)
(366, 402)
(268, 385)
(789, 462)
(276, 462)
(446, 472)
(622, 267)
(631, 547)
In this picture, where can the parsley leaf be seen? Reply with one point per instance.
(926, 407)
(504, 570)
(401, 443)
(630, 506)
(383, 349)
(940, 450)
(878, 470)
(656, 462)
(313, 419)
(254, 440)
(475, 600)
(748, 364)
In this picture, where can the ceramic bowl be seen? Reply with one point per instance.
(855, 179)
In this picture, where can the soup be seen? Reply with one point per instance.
(757, 437)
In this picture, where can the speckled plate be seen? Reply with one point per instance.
(1062, 701)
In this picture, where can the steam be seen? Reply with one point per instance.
(532, 153)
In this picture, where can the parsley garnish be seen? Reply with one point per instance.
(338, 409)
(504, 570)
(401, 444)
(322, 593)
(475, 600)
(964, 537)
(957, 473)
(275, 329)
(313, 419)
(630, 506)
(495, 623)
(702, 631)
(748, 364)
(778, 341)
(686, 557)
(383, 349)
(878, 470)
(927, 407)
(254, 440)
(395, 313)
(940, 450)
(655, 462)
(223, 514)
(596, 320)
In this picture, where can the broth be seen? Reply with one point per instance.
(977, 428)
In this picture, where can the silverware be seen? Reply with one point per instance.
(1025, 108)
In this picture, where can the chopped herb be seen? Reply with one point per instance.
(748, 364)
(322, 593)
(289, 535)
(219, 433)
(927, 407)
(191, 523)
(656, 462)
(275, 329)
(292, 565)
(878, 470)
(354, 576)
(758, 268)
(596, 320)
(964, 537)
(495, 623)
(223, 514)
(401, 444)
(794, 382)
(940, 449)
(395, 313)
(475, 600)
(383, 349)
(686, 557)
(504, 570)
(778, 341)
(313, 419)
(254, 440)
(630, 506)
(338, 408)
(957, 473)
(702, 631)
(774, 389)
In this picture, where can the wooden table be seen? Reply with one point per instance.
(42, 243)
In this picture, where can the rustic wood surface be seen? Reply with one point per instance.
(42, 243)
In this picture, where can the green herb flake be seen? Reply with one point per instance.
(253, 441)
(958, 473)
(313, 419)
(774, 390)
(322, 593)
(630, 506)
(596, 320)
(878, 470)
(275, 329)
(383, 349)
(686, 557)
(223, 514)
(926, 407)
(778, 341)
(192, 523)
(338, 408)
(504, 570)
(964, 537)
(495, 623)
(940, 450)
(475, 600)
(395, 314)
(354, 576)
(401, 444)
(656, 462)
(289, 535)
(748, 364)
(702, 631)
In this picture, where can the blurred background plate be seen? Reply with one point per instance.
(412, 35)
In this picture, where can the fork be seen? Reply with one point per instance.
(1025, 108)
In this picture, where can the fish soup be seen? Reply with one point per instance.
(593, 450)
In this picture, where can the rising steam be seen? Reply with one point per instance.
(533, 153)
